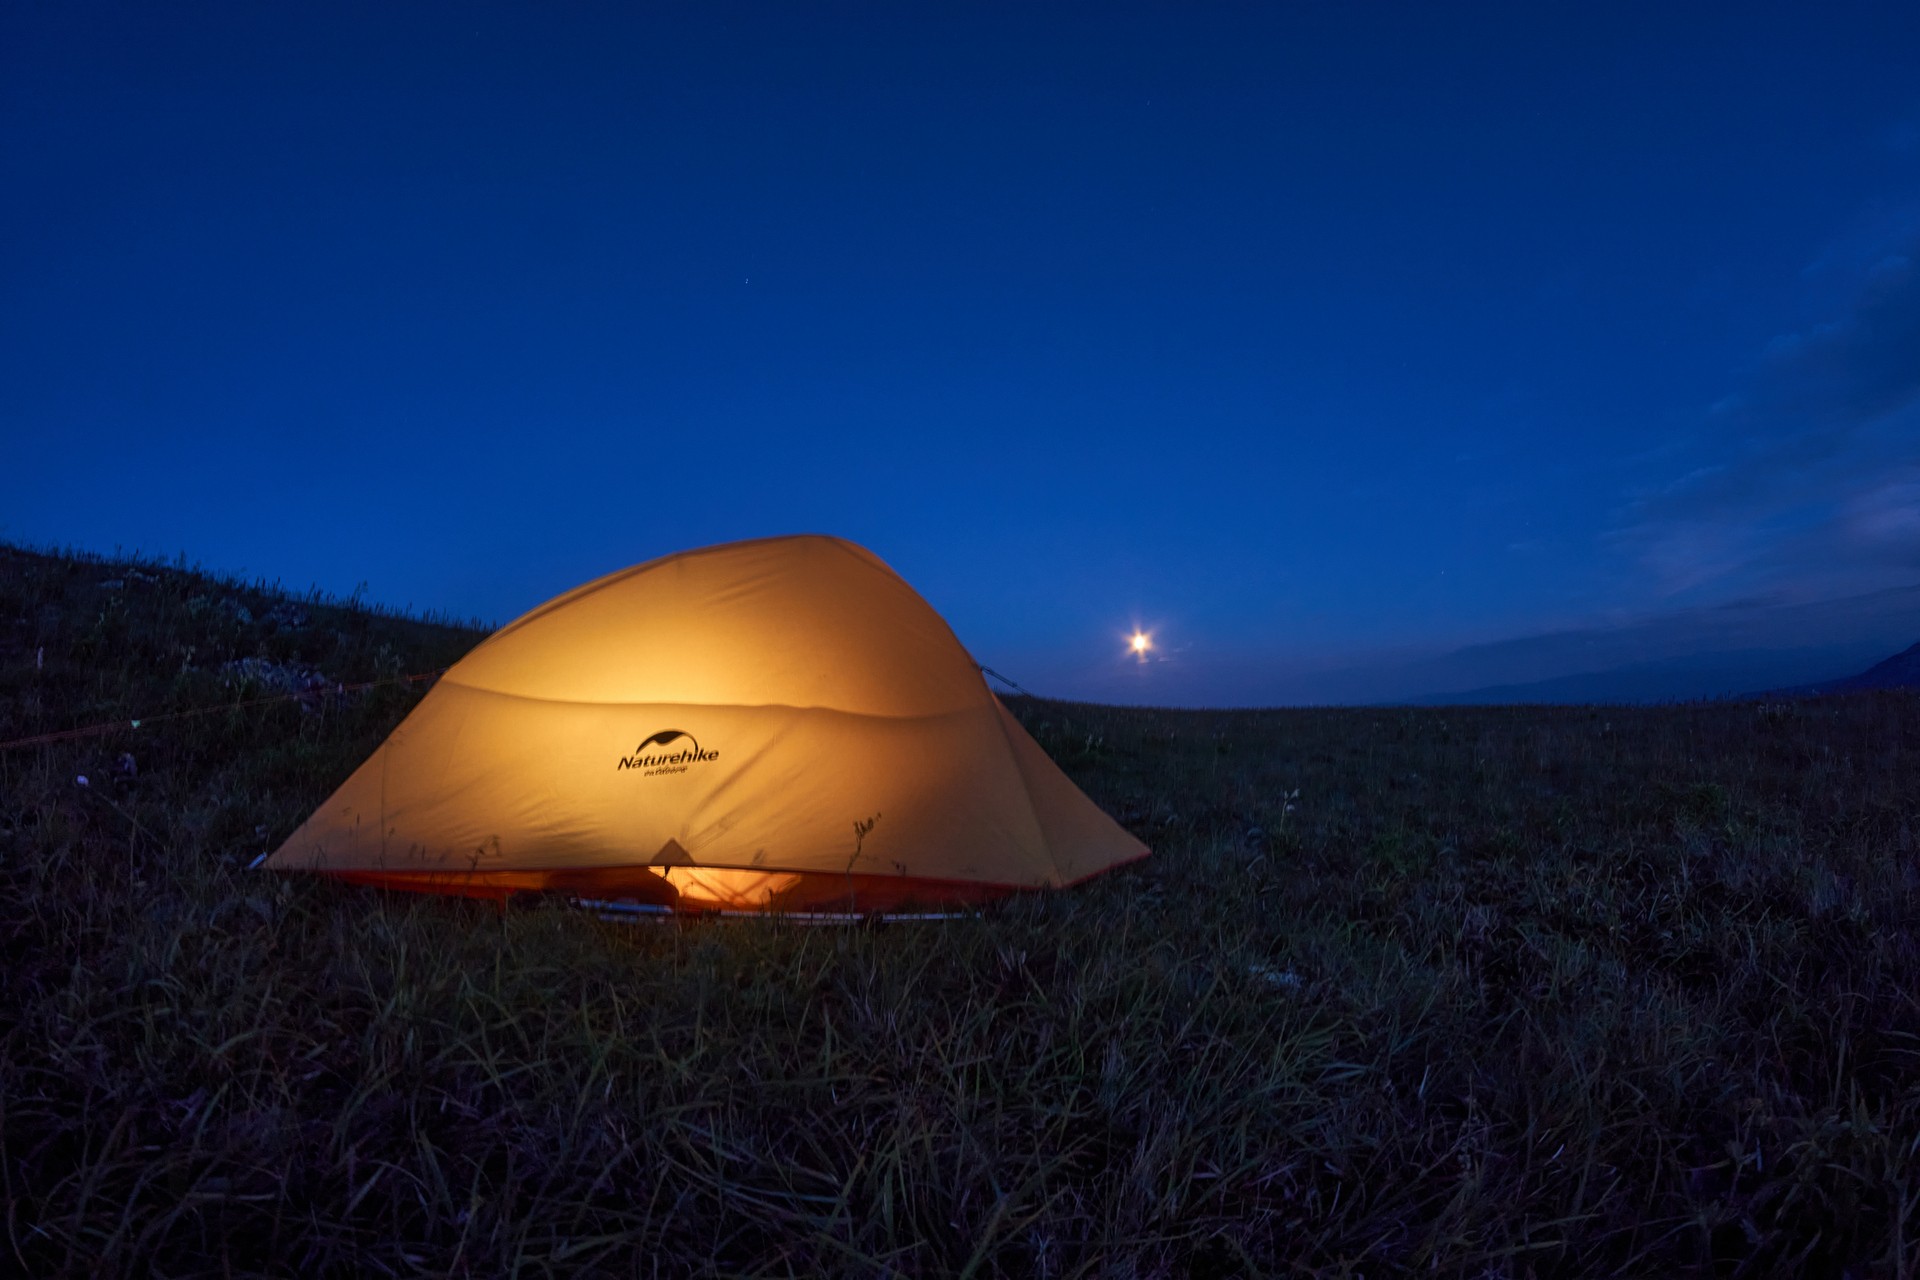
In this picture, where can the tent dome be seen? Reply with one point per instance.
(776, 724)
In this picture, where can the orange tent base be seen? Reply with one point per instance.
(805, 891)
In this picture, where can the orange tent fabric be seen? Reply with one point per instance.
(780, 724)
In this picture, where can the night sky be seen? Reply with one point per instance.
(1322, 340)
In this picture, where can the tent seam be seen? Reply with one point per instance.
(1033, 809)
(716, 706)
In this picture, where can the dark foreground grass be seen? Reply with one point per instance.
(1494, 992)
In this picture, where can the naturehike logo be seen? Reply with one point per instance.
(651, 762)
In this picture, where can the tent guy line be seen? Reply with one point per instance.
(987, 670)
(120, 726)
(105, 727)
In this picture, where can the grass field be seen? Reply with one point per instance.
(1490, 992)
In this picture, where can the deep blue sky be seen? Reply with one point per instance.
(1309, 335)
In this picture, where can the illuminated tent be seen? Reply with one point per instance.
(781, 724)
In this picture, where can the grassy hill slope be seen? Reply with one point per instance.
(1491, 991)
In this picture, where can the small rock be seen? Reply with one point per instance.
(1284, 979)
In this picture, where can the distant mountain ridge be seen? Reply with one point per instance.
(1718, 674)
(1901, 671)
(1750, 673)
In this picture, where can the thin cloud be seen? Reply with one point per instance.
(1807, 479)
